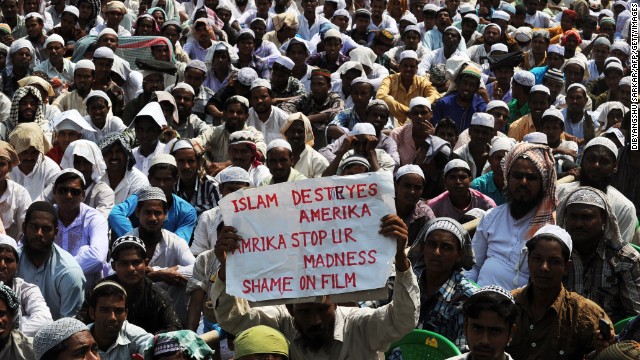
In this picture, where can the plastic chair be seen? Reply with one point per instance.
(619, 326)
(423, 345)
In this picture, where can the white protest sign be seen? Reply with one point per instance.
(311, 237)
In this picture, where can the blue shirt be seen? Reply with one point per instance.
(447, 106)
(60, 280)
(181, 218)
(539, 73)
(487, 186)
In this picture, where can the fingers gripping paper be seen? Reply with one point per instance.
(311, 237)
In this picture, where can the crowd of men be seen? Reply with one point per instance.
(506, 126)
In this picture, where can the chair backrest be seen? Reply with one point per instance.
(423, 345)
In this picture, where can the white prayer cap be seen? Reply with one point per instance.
(34, 15)
(494, 25)
(8, 240)
(363, 55)
(237, 98)
(363, 129)
(618, 134)
(552, 111)
(162, 158)
(456, 164)
(85, 64)
(260, 83)
(540, 88)
(556, 49)
(419, 101)
(409, 169)
(523, 34)
(496, 289)
(196, 64)
(341, 12)
(104, 52)
(408, 54)
(556, 232)
(54, 334)
(452, 27)
(498, 47)
(577, 85)
(361, 80)
(535, 138)
(466, 8)
(430, 7)
(350, 65)
(97, 93)
(622, 46)
(411, 28)
(184, 86)
(107, 30)
(377, 102)
(525, 78)
(285, 61)
(71, 170)
(72, 10)
(625, 81)
(279, 143)
(473, 17)
(154, 111)
(332, 33)
(180, 145)
(500, 143)
(246, 31)
(483, 119)
(54, 38)
(408, 17)
(493, 104)
(247, 75)
(602, 141)
(71, 120)
(151, 193)
(500, 15)
(234, 174)
(613, 65)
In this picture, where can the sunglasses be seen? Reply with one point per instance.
(66, 190)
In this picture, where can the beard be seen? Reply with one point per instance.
(317, 337)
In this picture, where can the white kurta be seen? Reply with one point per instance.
(311, 164)
(34, 312)
(205, 235)
(44, 173)
(14, 203)
(270, 128)
(113, 124)
(142, 162)
(132, 182)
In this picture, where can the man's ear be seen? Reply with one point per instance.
(113, 265)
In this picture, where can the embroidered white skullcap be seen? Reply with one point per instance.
(408, 54)
(409, 169)
(448, 225)
(498, 47)
(247, 75)
(261, 83)
(494, 25)
(523, 34)
(341, 12)
(411, 28)
(473, 17)
(552, 111)
(237, 98)
(106, 31)
(625, 81)
(363, 129)
(617, 133)
(285, 61)
(361, 80)
(555, 49)
(501, 15)
(85, 64)
(456, 164)
(496, 290)
(535, 138)
(353, 160)
(483, 119)
(104, 52)
(540, 88)
(234, 174)
(279, 143)
(8, 240)
(71, 120)
(577, 85)
(72, 10)
(151, 193)
(556, 232)
(525, 78)
(602, 141)
(332, 33)
(499, 143)
(420, 101)
(54, 38)
(452, 27)
(54, 334)
(180, 145)
(184, 86)
(162, 158)
(493, 104)
(476, 213)
(241, 137)
(377, 102)
(408, 17)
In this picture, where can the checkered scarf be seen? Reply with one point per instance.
(39, 118)
(191, 345)
(542, 159)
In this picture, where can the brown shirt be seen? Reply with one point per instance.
(566, 331)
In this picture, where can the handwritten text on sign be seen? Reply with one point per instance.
(310, 237)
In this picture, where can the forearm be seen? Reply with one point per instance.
(195, 306)
(334, 165)
(373, 161)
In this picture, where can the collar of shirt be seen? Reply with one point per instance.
(525, 298)
(419, 211)
(447, 290)
(122, 338)
(179, 188)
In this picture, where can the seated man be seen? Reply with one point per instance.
(411, 137)
(599, 165)
(298, 132)
(129, 262)
(459, 197)
(474, 153)
(69, 126)
(65, 334)
(170, 261)
(100, 119)
(265, 117)
(361, 92)
(261, 340)
(500, 112)
(502, 233)
(117, 339)
(492, 183)
(83, 76)
(121, 174)
(284, 85)
(181, 217)
(599, 249)
(335, 332)
(181, 344)
(559, 322)
(193, 185)
(47, 265)
(154, 73)
(148, 125)
(489, 324)
(446, 250)
(538, 102)
(553, 127)
(15, 345)
(189, 125)
(331, 57)
(280, 164)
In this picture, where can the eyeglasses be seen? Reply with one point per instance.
(67, 190)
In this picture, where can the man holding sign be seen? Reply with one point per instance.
(326, 330)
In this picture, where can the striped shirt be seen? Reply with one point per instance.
(204, 197)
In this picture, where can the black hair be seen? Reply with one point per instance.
(5, 247)
(67, 176)
(521, 9)
(43, 206)
(490, 301)
(531, 245)
(104, 291)
(446, 122)
(115, 255)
